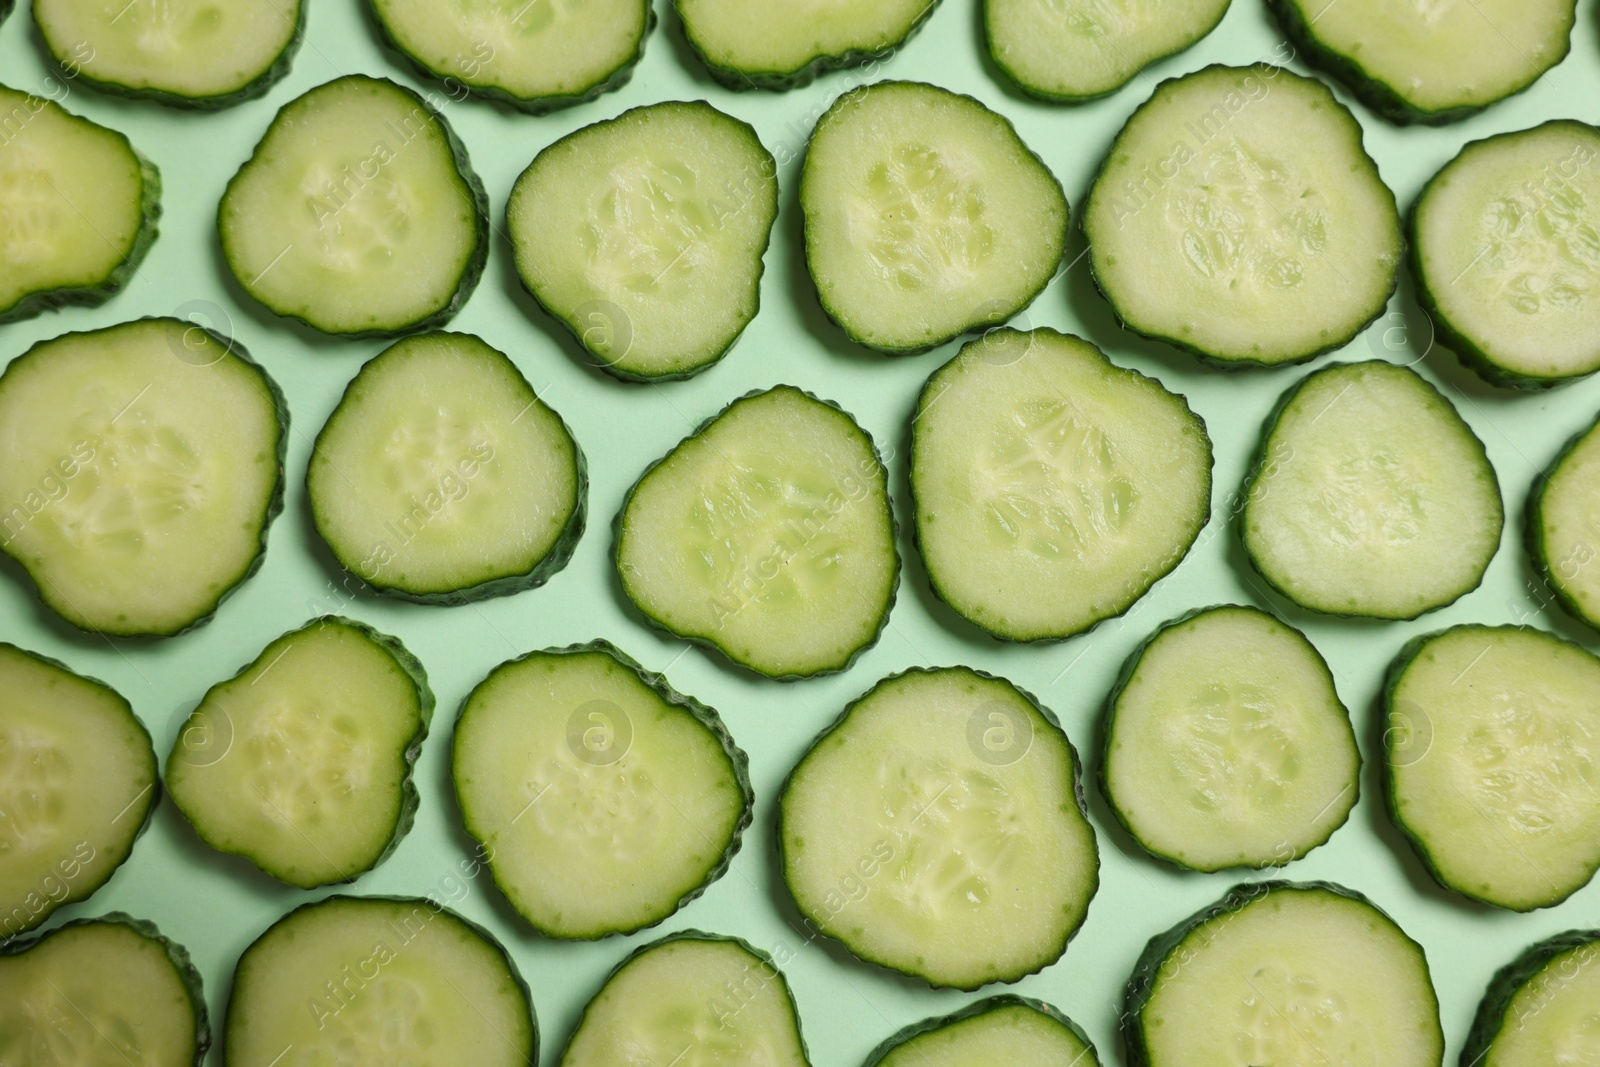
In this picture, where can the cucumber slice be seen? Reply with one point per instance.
(718, 997)
(358, 213)
(537, 56)
(189, 53)
(604, 799)
(955, 800)
(1074, 52)
(1238, 217)
(1052, 488)
(77, 785)
(1370, 496)
(1430, 62)
(644, 236)
(766, 535)
(1507, 257)
(1227, 744)
(999, 1030)
(1284, 973)
(80, 209)
(121, 451)
(925, 216)
(1493, 755)
(378, 980)
(441, 476)
(777, 44)
(101, 991)
(1540, 1008)
(1562, 526)
(301, 762)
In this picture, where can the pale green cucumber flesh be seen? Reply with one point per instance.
(925, 216)
(1564, 526)
(937, 828)
(603, 799)
(1507, 248)
(195, 52)
(1540, 1008)
(697, 998)
(80, 207)
(767, 535)
(644, 235)
(1000, 1030)
(441, 476)
(1227, 744)
(779, 44)
(538, 55)
(1371, 496)
(1238, 216)
(358, 212)
(123, 449)
(301, 763)
(1494, 762)
(374, 980)
(1078, 51)
(77, 781)
(1052, 488)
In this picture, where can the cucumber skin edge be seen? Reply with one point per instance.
(1141, 984)
(533, 105)
(177, 957)
(1533, 530)
(1507, 982)
(1130, 666)
(974, 1010)
(704, 714)
(1078, 791)
(1375, 94)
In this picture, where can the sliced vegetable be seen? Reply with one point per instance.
(1004, 1029)
(1539, 1009)
(1564, 526)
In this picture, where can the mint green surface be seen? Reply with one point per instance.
(217, 905)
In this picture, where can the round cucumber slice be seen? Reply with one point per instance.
(767, 535)
(77, 785)
(1281, 973)
(190, 53)
(717, 996)
(122, 451)
(1003, 1029)
(1227, 745)
(775, 44)
(1506, 245)
(1430, 62)
(537, 56)
(1540, 1008)
(1238, 217)
(81, 207)
(358, 213)
(1493, 754)
(301, 763)
(1562, 526)
(374, 979)
(925, 216)
(441, 477)
(1052, 488)
(1073, 52)
(938, 828)
(604, 799)
(644, 236)
(102, 991)
(1370, 496)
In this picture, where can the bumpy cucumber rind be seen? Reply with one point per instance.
(1508, 982)
(1129, 666)
(533, 105)
(177, 955)
(780, 81)
(706, 642)
(1533, 533)
(257, 87)
(1472, 356)
(89, 296)
(1078, 792)
(981, 1007)
(704, 714)
(1372, 92)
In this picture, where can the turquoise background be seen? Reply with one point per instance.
(216, 905)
